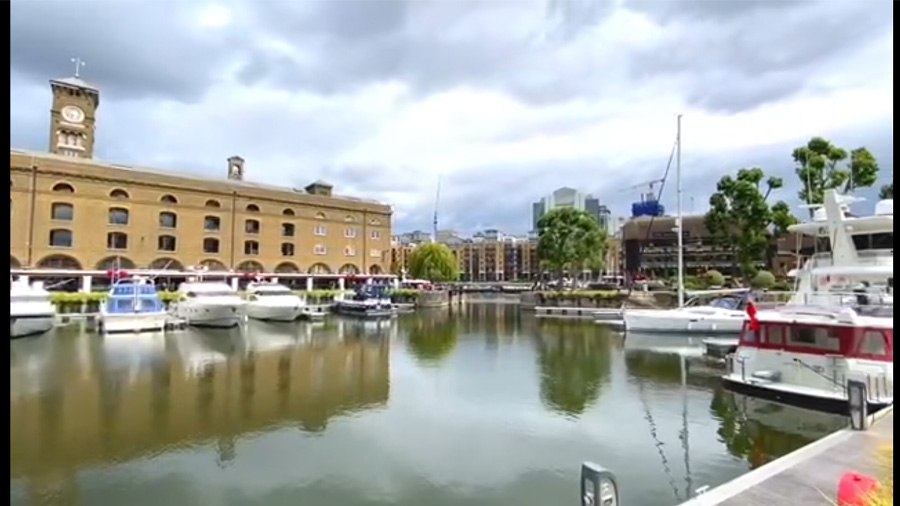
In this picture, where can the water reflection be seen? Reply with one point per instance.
(431, 336)
(760, 431)
(275, 415)
(145, 395)
(574, 361)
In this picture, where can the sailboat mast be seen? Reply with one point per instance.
(434, 223)
(679, 228)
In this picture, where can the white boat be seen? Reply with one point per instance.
(805, 356)
(805, 353)
(724, 314)
(273, 302)
(369, 301)
(133, 306)
(208, 304)
(31, 312)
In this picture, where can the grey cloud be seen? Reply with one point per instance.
(132, 49)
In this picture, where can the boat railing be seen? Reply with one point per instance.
(854, 300)
(869, 257)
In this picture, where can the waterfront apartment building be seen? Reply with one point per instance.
(570, 197)
(650, 247)
(501, 259)
(68, 211)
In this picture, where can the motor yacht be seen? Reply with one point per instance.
(208, 304)
(31, 312)
(369, 301)
(723, 314)
(133, 306)
(828, 278)
(806, 352)
(273, 302)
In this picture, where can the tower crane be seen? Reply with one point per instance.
(650, 185)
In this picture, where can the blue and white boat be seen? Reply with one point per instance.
(369, 301)
(133, 306)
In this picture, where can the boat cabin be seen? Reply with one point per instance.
(129, 296)
(259, 290)
(206, 289)
(823, 332)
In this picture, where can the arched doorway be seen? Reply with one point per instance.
(250, 266)
(166, 264)
(375, 269)
(62, 262)
(319, 268)
(14, 263)
(115, 262)
(348, 269)
(287, 268)
(213, 265)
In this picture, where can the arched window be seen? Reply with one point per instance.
(62, 211)
(168, 220)
(212, 223)
(252, 208)
(63, 188)
(116, 240)
(61, 238)
(166, 243)
(213, 203)
(118, 216)
(288, 212)
(210, 245)
(168, 199)
(320, 216)
(119, 194)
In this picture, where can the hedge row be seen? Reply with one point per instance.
(583, 294)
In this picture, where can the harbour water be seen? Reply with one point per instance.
(484, 406)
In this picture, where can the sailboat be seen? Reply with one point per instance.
(723, 312)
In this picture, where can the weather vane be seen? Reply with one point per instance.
(79, 63)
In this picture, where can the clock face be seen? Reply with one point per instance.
(72, 114)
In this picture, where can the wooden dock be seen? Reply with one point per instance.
(810, 475)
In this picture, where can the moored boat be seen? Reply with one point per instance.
(132, 306)
(369, 301)
(273, 302)
(31, 312)
(208, 304)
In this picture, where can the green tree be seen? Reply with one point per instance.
(434, 262)
(714, 278)
(887, 191)
(569, 239)
(741, 220)
(763, 280)
(823, 166)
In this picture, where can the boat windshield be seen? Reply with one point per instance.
(212, 293)
(270, 292)
(733, 303)
(130, 304)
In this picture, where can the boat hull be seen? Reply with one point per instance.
(837, 405)
(662, 323)
(284, 313)
(133, 322)
(30, 325)
(203, 315)
(364, 311)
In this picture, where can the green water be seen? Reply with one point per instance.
(480, 407)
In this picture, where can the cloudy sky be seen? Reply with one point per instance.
(504, 100)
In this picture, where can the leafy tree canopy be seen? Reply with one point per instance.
(823, 166)
(887, 191)
(570, 239)
(740, 218)
(434, 262)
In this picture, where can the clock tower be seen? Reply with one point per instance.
(73, 116)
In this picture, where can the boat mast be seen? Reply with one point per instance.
(679, 227)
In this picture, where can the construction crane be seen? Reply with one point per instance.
(650, 185)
